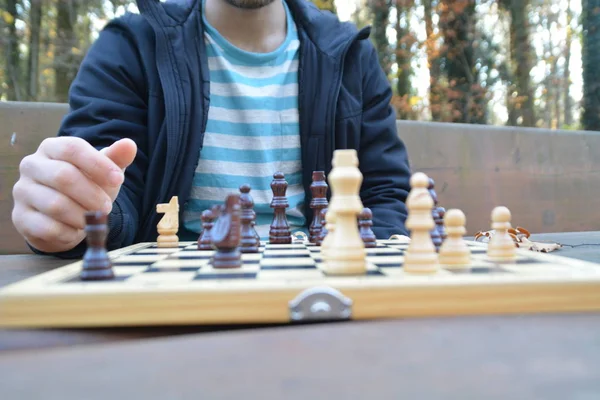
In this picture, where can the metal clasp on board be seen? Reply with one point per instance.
(320, 304)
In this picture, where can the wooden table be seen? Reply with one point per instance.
(529, 357)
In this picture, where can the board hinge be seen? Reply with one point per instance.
(320, 304)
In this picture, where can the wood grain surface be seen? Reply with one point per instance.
(542, 357)
(550, 180)
(23, 126)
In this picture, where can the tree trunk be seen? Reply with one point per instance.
(458, 23)
(433, 59)
(591, 63)
(65, 62)
(521, 53)
(404, 42)
(567, 102)
(381, 13)
(13, 74)
(33, 59)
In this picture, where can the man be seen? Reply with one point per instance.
(193, 101)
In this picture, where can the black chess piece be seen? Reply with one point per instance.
(323, 231)
(319, 201)
(440, 222)
(435, 234)
(365, 222)
(96, 262)
(250, 241)
(204, 240)
(279, 231)
(226, 235)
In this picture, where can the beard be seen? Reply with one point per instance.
(249, 4)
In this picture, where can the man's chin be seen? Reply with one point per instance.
(249, 4)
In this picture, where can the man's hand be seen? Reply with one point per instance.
(62, 180)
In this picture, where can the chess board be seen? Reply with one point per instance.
(284, 284)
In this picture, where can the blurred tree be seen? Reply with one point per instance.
(327, 5)
(33, 52)
(12, 54)
(567, 81)
(404, 56)
(591, 64)
(521, 97)
(464, 92)
(380, 12)
(433, 59)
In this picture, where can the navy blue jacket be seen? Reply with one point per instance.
(146, 78)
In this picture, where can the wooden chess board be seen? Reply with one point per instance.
(283, 283)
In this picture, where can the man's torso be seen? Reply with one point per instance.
(252, 130)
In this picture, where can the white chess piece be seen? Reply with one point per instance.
(168, 226)
(454, 252)
(501, 247)
(421, 255)
(344, 248)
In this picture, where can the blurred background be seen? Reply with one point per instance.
(531, 63)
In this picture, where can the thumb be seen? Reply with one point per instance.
(121, 152)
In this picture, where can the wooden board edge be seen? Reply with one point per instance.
(235, 307)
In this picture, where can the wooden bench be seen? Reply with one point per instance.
(549, 179)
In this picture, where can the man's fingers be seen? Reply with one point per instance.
(122, 152)
(100, 168)
(67, 179)
(39, 228)
(50, 202)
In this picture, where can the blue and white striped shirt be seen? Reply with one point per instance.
(252, 130)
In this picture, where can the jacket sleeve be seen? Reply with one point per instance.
(383, 156)
(108, 102)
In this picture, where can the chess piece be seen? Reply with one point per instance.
(436, 237)
(454, 252)
(279, 231)
(169, 224)
(345, 250)
(96, 263)
(420, 256)
(501, 247)
(324, 227)
(440, 223)
(205, 241)
(250, 241)
(327, 232)
(365, 222)
(319, 201)
(226, 235)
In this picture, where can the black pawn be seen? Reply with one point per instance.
(440, 222)
(96, 262)
(435, 234)
(205, 240)
(250, 241)
(323, 231)
(365, 222)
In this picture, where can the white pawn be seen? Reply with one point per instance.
(420, 256)
(501, 247)
(454, 252)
